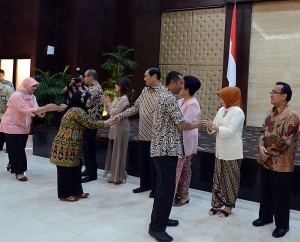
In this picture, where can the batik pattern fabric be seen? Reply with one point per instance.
(279, 135)
(145, 105)
(183, 177)
(226, 183)
(67, 145)
(166, 136)
(94, 104)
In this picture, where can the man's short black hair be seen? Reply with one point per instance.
(173, 75)
(154, 71)
(286, 89)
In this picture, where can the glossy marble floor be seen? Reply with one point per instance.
(30, 211)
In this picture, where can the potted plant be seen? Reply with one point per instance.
(116, 64)
(49, 91)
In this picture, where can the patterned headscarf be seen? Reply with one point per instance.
(231, 96)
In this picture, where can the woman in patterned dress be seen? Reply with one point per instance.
(191, 111)
(67, 147)
(228, 125)
(116, 155)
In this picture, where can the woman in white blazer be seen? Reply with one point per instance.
(228, 125)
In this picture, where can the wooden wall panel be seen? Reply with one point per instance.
(18, 20)
(171, 5)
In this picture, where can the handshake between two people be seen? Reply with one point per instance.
(202, 123)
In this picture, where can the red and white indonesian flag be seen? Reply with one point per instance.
(231, 69)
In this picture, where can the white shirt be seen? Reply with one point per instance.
(229, 141)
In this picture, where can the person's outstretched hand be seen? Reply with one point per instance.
(61, 108)
(109, 122)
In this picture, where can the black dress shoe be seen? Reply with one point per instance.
(278, 232)
(151, 195)
(160, 236)
(172, 222)
(84, 173)
(88, 179)
(139, 189)
(258, 222)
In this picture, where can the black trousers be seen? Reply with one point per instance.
(68, 181)
(2, 140)
(89, 152)
(275, 197)
(147, 170)
(165, 167)
(16, 152)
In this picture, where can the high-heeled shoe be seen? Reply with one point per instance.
(179, 202)
(105, 173)
(8, 167)
(21, 177)
(69, 199)
(123, 181)
(83, 195)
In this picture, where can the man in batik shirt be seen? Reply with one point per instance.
(277, 147)
(95, 111)
(166, 147)
(145, 105)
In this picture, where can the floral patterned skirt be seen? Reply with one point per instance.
(226, 183)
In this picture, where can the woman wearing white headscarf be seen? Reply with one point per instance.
(16, 121)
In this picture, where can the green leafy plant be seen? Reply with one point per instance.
(49, 91)
(117, 63)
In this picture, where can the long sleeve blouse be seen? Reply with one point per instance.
(18, 116)
(191, 111)
(229, 140)
(118, 105)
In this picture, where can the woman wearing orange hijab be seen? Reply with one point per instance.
(228, 125)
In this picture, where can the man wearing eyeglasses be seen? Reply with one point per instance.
(277, 148)
(6, 89)
(95, 110)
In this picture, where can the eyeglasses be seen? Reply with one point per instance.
(273, 92)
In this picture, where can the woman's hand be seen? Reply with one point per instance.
(105, 100)
(51, 107)
(62, 107)
(207, 123)
(109, 122)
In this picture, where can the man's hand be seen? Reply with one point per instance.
(263, 152)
